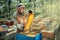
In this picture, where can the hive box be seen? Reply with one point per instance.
(48, 35)
(29, 36)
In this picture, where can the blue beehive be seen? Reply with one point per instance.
(24, 37)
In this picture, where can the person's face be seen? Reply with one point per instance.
(21, 9)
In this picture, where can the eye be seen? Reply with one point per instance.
(19, 8)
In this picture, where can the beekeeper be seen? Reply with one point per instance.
(20, 17)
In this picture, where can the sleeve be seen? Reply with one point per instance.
(29, 22)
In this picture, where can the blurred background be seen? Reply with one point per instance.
(41, 8)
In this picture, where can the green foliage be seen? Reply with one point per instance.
(47, 7)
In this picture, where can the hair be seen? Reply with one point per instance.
(19, 6)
